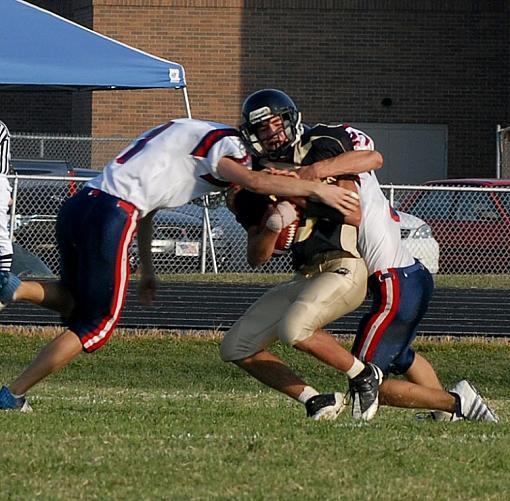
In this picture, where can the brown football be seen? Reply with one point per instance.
(286, 238)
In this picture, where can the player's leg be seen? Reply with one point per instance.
(399, 393)
(245, 342)
(54, 294)
(326, 297)
(275, 373)
(425, 393)
(55, 355)
(323, 346)
(101, 233)
(65, 347)
(244, 345)
(385, 335)
(430, 394)
(421, 372)
(51, 294)
(462, 402)
(400, 298)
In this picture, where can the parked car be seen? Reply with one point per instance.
(177, 242)
(471, 227)
(417, 238)
(40, 197)
(37, 202)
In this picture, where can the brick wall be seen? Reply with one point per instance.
(206, 40)
(441, 62)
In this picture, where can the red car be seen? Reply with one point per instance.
(472, 226)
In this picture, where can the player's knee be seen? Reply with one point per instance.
(291, 332)
(236, 347)
(227, 347)
(403, 362)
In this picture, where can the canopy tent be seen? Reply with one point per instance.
(39, 48)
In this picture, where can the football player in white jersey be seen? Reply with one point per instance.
(401, 288)
(166, 166)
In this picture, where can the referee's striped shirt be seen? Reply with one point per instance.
(5, 149)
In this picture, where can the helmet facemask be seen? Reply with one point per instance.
(291, 126)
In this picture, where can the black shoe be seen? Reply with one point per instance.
(364, 390)
(325, 407)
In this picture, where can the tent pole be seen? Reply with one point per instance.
(186, 101)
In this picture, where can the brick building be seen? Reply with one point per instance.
(379, 61)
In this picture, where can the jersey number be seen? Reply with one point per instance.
(140, 143)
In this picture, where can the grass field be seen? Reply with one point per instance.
(161, 417)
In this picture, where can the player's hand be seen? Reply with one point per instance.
(281, 216)
(345, 201)
(147, 289)
(309, 172)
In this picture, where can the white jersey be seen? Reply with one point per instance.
(172, 164)
(379, 232)
(360, 140)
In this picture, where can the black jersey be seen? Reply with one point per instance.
(321, 227)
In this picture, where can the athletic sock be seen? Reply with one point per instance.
(307, 393)
(356, 368)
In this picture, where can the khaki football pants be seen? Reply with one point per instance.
(292, 311)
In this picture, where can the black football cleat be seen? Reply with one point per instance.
(325, 406)
(364, 391)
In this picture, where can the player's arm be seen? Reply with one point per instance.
(354, 219)
(264, 183)
(260, 245)
(147, 284)
(350, 162)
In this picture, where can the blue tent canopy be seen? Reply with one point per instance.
(39, 48)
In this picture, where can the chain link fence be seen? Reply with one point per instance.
(451, 229)
(80, 151)
(471, 225)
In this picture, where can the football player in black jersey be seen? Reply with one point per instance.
(331, 277)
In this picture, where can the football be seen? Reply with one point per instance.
(287, 235)
(286, 238)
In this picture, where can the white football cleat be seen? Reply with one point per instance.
(472, 407)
